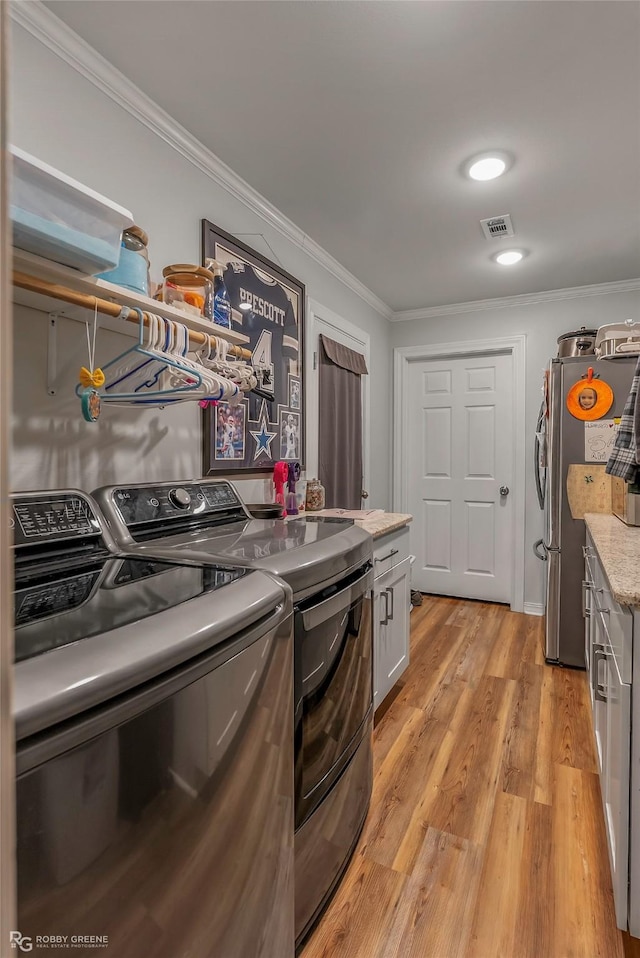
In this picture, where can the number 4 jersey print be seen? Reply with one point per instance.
(266, 306)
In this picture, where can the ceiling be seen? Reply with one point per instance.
(354, 119)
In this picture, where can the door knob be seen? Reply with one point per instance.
(504, 491)
(364, 494)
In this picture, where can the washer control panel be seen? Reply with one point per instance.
(154, 503)
(43, 517)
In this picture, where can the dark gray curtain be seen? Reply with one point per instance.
(340, 433)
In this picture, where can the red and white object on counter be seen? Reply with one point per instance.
(280, 476)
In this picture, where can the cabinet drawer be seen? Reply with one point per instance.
(593, 566)
(618, 625)
(390, 550)
(620, 632)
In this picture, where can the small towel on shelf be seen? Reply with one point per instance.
(623, 461)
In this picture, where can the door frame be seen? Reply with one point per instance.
(510, 345)
(320, 319)
(7, 736)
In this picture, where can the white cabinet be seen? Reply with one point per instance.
(615, 783)
(608, 634)
(391, 606)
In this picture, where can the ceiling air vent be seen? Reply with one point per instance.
(497, 226)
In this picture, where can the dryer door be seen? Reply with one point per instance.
(334, 687)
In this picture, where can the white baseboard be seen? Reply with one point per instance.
(533, 608)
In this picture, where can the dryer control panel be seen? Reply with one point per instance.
(172, 501)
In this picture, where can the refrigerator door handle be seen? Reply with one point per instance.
(552, 620)
(536, 550)
(538, 477)
(554, 465)
(536, 456)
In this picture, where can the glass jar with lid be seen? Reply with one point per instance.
(315, 495)
(189, 288)
(132, 271)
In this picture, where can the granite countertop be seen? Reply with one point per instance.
(378, 525)
(382, 525)
(618, 547)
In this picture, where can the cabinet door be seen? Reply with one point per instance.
(588, 606)
(397, 630)
(616, 783)
(380, 625)
(587, 610)
(598, 683)
(391, 598)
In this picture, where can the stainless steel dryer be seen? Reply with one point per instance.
(153, 710)
(327, 563)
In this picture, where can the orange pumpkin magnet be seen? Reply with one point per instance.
(590, 398)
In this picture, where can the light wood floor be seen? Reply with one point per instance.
(485, 837)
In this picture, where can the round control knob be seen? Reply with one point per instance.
(180, 498)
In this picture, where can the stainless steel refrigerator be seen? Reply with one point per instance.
(563, 442)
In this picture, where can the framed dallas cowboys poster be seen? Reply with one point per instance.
(267, 305)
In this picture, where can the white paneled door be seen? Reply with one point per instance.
(460, 472)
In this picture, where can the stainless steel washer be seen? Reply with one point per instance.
(327, 563)
(153, 709)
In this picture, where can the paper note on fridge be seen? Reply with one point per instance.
(598, 439)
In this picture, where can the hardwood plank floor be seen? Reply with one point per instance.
(485, 837)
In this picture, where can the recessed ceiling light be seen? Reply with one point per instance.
(487, 166)
(509, 257)
(245, 305)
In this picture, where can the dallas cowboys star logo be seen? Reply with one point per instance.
(263, 437)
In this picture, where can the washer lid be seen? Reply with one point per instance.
(206, 521)
(306, 552)
(97, 632)
(78, 601)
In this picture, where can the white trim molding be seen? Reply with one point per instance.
(514, 345)
(533, 608)
(523, 299)
(61, 40)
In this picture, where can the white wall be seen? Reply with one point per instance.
(62, 118)
(542, 323)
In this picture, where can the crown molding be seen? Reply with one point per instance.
(61, 40)
(523, 299)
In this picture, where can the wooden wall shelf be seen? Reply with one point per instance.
(32, 275)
